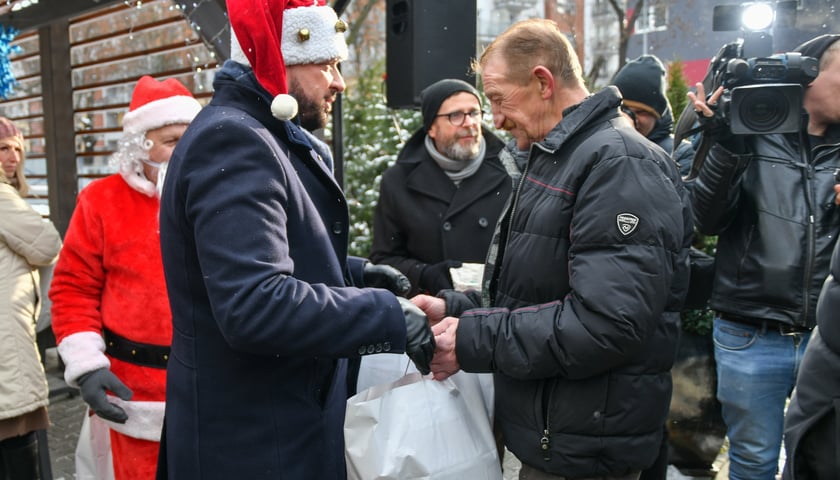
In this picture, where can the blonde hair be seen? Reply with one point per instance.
(19, 180)
(533, 42)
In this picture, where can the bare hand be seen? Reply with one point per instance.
(699, 100)
(837, 194)
(445, 362)
(433, 307)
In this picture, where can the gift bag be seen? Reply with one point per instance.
(382, 368)
(419, 428)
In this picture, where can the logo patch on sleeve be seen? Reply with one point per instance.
(627, 222)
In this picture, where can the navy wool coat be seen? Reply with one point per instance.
(254, 240)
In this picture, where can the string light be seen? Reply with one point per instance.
(7, 79)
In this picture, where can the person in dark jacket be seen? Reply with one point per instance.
(812, 438)
(642, 83)
(266, 305)
(439, 202)
(578, 316)
(771, 199)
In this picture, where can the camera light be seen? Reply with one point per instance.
(757, 16)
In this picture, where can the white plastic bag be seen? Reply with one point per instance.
(384, 368)
(419, 428)
(93, 451)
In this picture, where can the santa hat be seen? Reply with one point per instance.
(157, 104)
(267, 35)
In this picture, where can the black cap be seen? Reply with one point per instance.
(435, 94)
(642, 84)
(817, 46)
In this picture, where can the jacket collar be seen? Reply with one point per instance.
(580, 116)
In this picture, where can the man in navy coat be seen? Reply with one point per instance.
(266, 305)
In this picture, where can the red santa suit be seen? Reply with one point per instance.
(109, 302)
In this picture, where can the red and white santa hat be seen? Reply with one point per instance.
(270, 34)
(157, 104)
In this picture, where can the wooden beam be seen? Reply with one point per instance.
(211, 17)
(59, 127)
(47, 11)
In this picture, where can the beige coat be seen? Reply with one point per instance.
(26, 242)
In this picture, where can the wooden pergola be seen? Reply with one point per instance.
(51, 20)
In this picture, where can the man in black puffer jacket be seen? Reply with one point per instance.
(579, 311)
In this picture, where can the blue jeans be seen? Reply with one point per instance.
(756, 371)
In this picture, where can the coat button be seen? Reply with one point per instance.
(482, 222)
(378, 348)
(371, 349)
(337, 228)
(386, 346)
(447, 226)
(362, 350)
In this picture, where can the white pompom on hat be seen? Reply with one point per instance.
(267, 35)
(157, 104)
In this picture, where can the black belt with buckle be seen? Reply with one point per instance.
(766, 325)
(143, 354)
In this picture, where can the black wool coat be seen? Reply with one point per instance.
(423, 218)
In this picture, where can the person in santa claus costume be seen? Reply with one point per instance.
(110, 311)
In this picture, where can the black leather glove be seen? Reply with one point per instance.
(386, 276)
(94, 385)
(718, 128)
(436, 277)
(419, 341)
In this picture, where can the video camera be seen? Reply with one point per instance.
(762, 92)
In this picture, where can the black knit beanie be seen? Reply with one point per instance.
(435, 94)
(817, 46)
(642, 84)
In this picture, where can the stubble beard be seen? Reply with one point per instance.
(458, 151)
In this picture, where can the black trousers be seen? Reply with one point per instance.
(19, 458)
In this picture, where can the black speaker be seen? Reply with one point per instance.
(427, 40)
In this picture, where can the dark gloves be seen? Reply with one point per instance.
(386, 276)
(93, 386)
(436, 277)
(419, 341)
(718, 128)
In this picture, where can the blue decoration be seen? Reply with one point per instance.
(7, 79)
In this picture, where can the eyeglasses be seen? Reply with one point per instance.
(457, 118)
(630, 113)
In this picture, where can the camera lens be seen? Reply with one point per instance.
(762, 111)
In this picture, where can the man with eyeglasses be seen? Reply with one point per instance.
(438, 204)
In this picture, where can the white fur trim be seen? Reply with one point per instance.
(325, 44)
(166, 111)
(145, 419)
(82, 352)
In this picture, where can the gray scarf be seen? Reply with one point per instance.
(456, 170)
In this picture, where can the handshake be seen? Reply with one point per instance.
(430, 338)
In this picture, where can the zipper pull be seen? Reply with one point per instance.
(545, 445)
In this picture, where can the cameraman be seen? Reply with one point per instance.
(772, 200)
